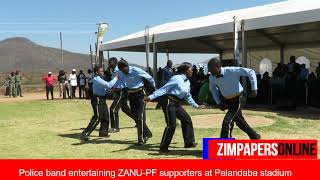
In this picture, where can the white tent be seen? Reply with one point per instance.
(273, 30)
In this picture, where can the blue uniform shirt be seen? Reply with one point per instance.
(228, 82)
(100, 86)
(134, 79)
(118, 84)
(179, 86)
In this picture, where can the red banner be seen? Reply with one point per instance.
(159, 169)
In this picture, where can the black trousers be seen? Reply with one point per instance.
(100, 112)
(90, 90)
(234, 115)
(49, 89)
(73, 91)
(173, 110)
(120, 99)
(94, 118)
(103, 114)
(82, 91)
(138, 110)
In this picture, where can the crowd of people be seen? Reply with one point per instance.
(14, 85)
(69, 84)
(291, 85)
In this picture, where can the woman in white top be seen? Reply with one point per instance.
(73, 83)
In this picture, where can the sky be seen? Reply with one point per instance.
(42, 20)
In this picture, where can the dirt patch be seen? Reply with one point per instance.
(27, 97)
(215, 120)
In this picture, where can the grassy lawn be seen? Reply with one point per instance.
(51, 129)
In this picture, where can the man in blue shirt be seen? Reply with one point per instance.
(166, 73)
(224, 84)
(133, 78)
(177, 89)
(99, 105)
(120, 98)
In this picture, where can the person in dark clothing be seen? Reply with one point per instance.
(62, 78)
(81, 84)
(293, 70)
(265, 87)
(90, 82)
(166, 73)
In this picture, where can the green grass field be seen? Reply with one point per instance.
(51, 129)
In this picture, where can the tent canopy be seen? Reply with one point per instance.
(293, 23)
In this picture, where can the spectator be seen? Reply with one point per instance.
(318, 70)
(195, 83)
(49, 80)
(82, 84)
(291, 80)
(62, 78)
(166, 73)
(90, 82)
(205, 96)
(265, 87)
(279, 71)
(159, 77)
(304, 73)
(73, 83)
(302, 85)
(313, 90)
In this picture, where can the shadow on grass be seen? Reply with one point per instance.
(310, 113)
(153, 149)
(81, 129)
(179, 152)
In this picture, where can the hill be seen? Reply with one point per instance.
(27, 56)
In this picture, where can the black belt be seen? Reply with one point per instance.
(131, 91)
(175, 98)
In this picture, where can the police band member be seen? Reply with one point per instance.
(177, 89)
(99, 105)
(133, 78)
(120, 98)
(225, 81)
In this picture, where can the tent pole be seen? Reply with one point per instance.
(244, 48)
(168, 58)
(146, 37)
(220, 55)
(244, 60)
(91, 58)
(282, 54)
(155, 58)
(101, 59)
(236, 42)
